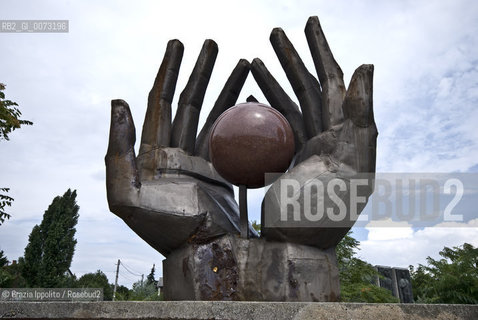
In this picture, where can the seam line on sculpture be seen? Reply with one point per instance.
(195, 175)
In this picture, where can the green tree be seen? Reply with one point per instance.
(33, 258)
(150, 278)
(256, 226)
(144, 291)
(5, 201)
(5, 276)
(51, 244)
(9, 121)
(346, 249)
(10, 275)
(9, 116)
(451, 279)
(122, 293)
(96, 280)
(357, 276)
(3, 259)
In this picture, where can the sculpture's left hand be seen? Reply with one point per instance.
(170, 194)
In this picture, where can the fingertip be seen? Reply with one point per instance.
(175, 43)
(364, 73)
(122, 130)
(358, 103)
(277, 30)
(312, 27)
(175, 47)
(257, 65)
(211, 44)
(244, 63)
(277, 33)
(251, 98)
(120, 112)
(260, 72)
(119, 103)
(366, 68)
(256, 62)
(313, 19)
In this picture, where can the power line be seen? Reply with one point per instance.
(127, 269)
(127, 277)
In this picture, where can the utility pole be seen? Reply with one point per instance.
(142, 277)
(116, 280)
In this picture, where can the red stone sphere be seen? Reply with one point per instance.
(249, 140)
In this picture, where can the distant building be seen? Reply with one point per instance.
(397, 280)
(159, 285)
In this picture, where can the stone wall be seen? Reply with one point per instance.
(233, 310)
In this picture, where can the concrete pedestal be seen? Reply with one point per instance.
(232, 268)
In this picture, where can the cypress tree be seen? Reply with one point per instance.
(3, 259)
(51, 245)
(30, 263)
(150, 278)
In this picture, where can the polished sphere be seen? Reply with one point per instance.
(249, 140)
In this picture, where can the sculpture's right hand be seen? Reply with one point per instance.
(170, 193)
(336, 140)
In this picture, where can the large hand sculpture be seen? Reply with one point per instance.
(166, 194)
(335, 139)
(172, 197)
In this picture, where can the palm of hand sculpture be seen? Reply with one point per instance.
(172, 197)
(170, 194)
(335, 137)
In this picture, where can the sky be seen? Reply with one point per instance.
(425, 103)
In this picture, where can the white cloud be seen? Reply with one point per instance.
(391, 246)
(388, 230)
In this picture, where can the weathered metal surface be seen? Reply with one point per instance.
(345, 150)
(167, 196)
(304, 86)
(227, 98)
(232, 268)
(157, 128)
(181, 206)
(185, 124)
(279, 100)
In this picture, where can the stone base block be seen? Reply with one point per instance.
(232, 268)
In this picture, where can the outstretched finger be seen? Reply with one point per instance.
(122, 177)
(358, 104)
(361, 129)
(330, 75)
(227, 98)
(157, 122)
(300, 79)
(279, 100)
(184, 129)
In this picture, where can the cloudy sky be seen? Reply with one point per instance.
(425, 101)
